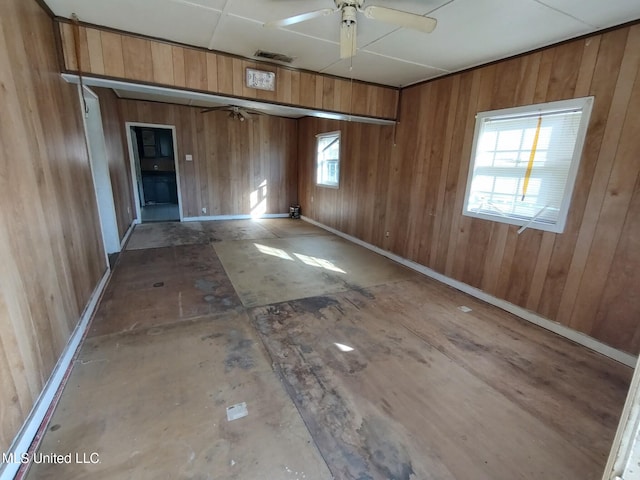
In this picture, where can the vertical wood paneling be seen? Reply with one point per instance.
(140, 59)
(94, 51)
(358, 206)
(50, 244)
(586, 277)
(237, 77)
(212, 72)
(283, 85)
(619, 191)
(162, 61)
(68, 49)
(195, 64)
(616, 111)
(602, 88)
(613, 324)
(112, 54)
(230, 158)
(308, 92)
(136, 54)
(225, 76)
(179, 74)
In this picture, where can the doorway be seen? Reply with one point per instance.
(155, 172)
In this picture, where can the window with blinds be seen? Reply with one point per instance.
(524, 163)
(328, 159)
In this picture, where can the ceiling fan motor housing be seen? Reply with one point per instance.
(349, 15)
(357, 4)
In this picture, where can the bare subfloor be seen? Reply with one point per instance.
(351, 367)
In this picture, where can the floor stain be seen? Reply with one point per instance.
(389, 459)
(239, 352)
(205, 285)
(313, 305)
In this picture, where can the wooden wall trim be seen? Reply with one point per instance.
(115, 55)
(46, 8)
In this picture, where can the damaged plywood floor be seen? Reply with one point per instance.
(369, 372)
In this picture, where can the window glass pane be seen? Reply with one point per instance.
(328, 159)
(524, 164)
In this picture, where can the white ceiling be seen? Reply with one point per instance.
(469, 32)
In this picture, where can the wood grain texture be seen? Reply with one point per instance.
(358, 207)
(134, 58)
(237, 167)
(576, 277)
(50, 244)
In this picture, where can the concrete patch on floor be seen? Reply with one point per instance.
(152, 405)
(274, 270)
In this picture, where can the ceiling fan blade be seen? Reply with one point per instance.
(347, 40)
(213, 109)
(402, 19)
(303, 17)
(244, 114)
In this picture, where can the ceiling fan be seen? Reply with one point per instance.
(235, 112)
(349, 9)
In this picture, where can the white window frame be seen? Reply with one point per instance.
(319, 180)
(584, 105)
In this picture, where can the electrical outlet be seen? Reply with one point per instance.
(204, 209)
(386, 234)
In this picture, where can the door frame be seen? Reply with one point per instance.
(134, 172)
(105, 201)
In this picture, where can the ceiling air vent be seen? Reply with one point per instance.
(277, 57)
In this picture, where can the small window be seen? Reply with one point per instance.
(524, 163)
(328, 159)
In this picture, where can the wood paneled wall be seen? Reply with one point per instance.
(231, 159)
(359, 206)
(118, 156)
(122, 56)
(51, 256)
(585, 278)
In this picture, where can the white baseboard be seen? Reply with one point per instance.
(38, 413)
(127, 234)
(573, 335)
(235, 217)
